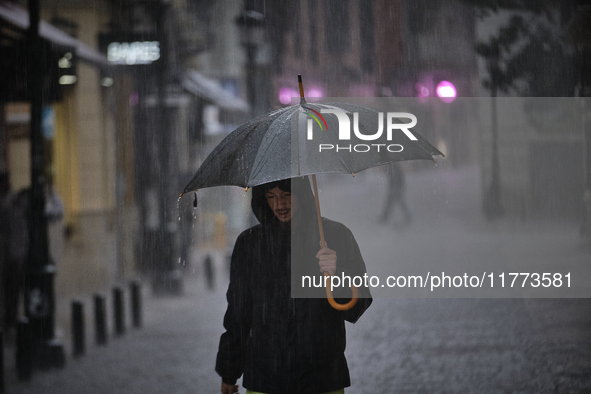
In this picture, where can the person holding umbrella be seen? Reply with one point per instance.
(281, 344)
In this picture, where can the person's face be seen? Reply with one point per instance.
(280, 203)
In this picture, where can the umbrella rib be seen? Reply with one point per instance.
(220, 162)
(340, 157)
(262, 156)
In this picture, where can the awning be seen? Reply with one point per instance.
(19, 17)
(201, 86)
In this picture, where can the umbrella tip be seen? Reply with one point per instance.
(246, 189)
(353, 174)
(302, 99)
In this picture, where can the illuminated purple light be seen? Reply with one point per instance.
(422, 90)
(315, 92)
(285, 95)
(446, 91)
(134, 99)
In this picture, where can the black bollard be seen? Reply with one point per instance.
(209, 272)
(24, 350)
(55, 354)
(100, 319)
(2, 384)
(78, 333)
(118, 311)
(136, 304)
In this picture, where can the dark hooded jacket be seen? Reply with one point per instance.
(283, 344)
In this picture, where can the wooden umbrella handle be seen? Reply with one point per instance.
(329, 297)
(318, 216)
(336, 305)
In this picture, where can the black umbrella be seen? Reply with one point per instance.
(286, 143)
(275, 146)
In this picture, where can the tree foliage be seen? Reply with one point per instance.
(528, 54)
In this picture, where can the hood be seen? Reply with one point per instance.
(300, 187)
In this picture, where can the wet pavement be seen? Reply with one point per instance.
(173, 352)
(472, 345)
(417, 345)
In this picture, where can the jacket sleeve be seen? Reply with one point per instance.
(350, 262)
(237, 320)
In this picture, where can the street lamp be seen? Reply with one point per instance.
(251, 25)
(167, 277)
(37, 346)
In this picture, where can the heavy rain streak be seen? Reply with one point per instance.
(300, 196)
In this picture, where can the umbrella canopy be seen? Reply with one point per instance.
(304, 139)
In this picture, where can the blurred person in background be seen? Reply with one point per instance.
(18, 219)
(395, 195)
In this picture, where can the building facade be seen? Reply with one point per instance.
(85, 140)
